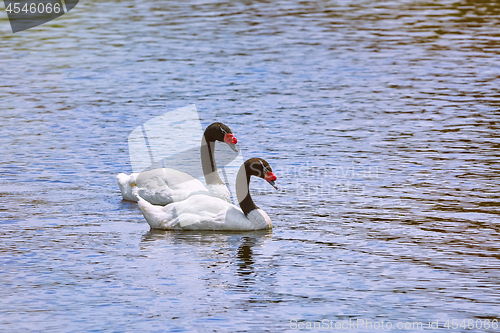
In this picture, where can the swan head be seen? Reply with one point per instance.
(260, 168)
(220, 132)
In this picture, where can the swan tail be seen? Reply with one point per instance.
(126, 183)
(154, 215)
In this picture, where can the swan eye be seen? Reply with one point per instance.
(230, 139)
(270, 176)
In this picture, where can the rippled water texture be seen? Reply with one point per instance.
(381, 119)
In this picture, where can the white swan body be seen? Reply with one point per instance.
(203, 212)
(163, 186)
(160, 186)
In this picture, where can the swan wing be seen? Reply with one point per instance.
(163, 186)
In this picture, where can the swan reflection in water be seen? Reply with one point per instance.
(227, 260)
(245, 256)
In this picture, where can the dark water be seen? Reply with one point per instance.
(380, 117)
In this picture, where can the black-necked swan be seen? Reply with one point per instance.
(163, 185)
(203, 212)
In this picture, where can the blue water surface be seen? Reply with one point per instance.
(380, 118)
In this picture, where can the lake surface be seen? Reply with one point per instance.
(381, 119)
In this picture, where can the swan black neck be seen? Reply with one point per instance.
(208, 163)
(242, 189)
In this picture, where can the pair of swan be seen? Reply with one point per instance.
(172, 200)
